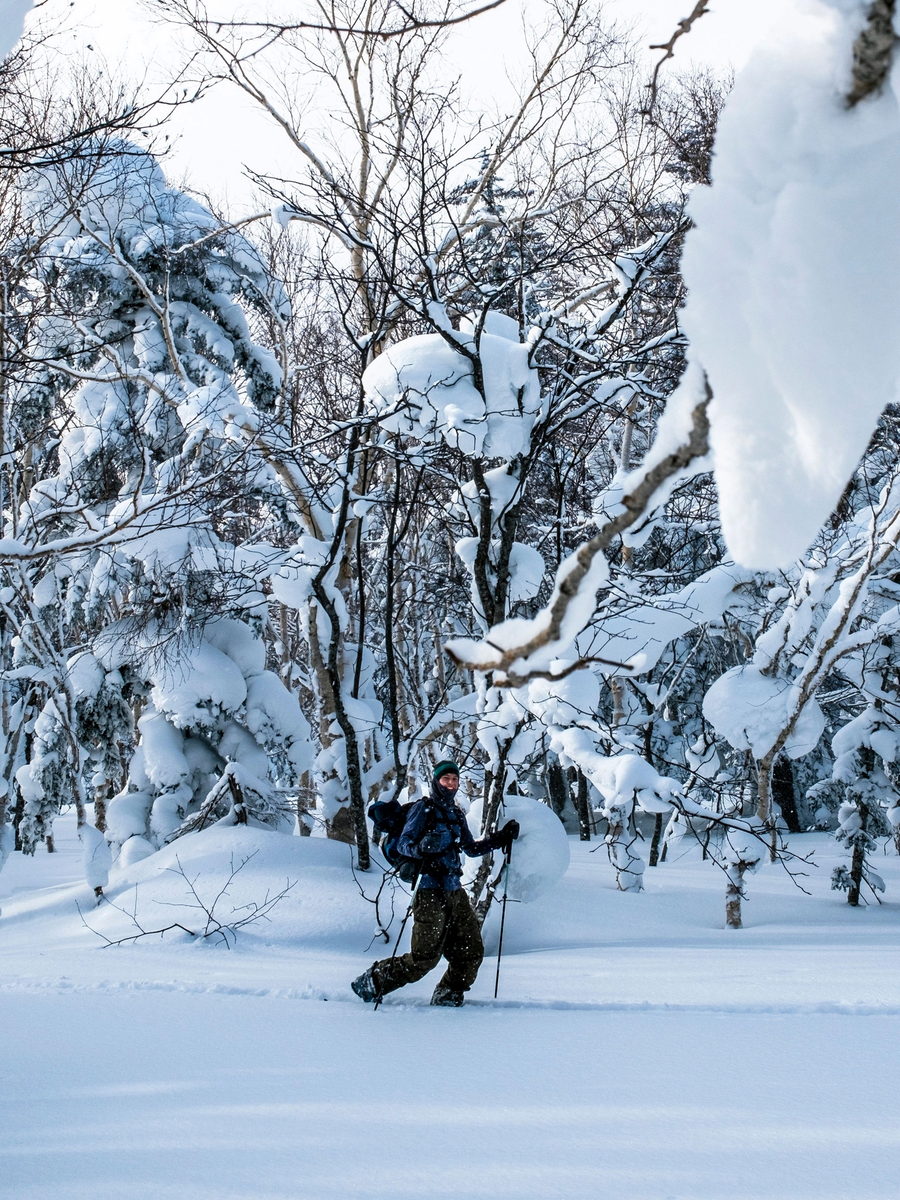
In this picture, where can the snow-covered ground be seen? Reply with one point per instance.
(637, 1049)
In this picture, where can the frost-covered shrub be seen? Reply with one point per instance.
(219, 732)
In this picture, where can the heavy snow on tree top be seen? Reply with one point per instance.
(123, 247)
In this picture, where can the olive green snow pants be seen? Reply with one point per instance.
(444, 923)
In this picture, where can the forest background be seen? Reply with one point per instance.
(299, 501)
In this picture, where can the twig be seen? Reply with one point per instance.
(214, 927)
(683, 27)
(412, 24)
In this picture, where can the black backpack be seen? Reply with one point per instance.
(388, 818)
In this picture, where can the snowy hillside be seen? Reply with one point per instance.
(637, 1047)
(509, 483)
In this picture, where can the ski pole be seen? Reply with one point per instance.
(379, 997)
(502, 916)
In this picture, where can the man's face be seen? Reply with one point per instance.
(449, 781)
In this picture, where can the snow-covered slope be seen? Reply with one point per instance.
(637, 1047)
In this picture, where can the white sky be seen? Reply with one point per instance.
(216, 137)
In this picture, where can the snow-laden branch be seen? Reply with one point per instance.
(791, 268)
(523, 649)
(123, 526)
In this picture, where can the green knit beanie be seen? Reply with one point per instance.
(443, 768)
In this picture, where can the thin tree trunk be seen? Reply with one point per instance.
(582, 807)
(858, 858)
(18, 816)
(734, 890)
(19, 809)
(390, 658)
(618, 695)
(620, 839)
(489, 820)
(764, 800)
(304, 795)
(556, 787)
(100, 795)
(783, 793)
(654, 844)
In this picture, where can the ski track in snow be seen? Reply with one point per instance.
(112, 987)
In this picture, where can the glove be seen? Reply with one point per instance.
(409, 869)
(504, 838)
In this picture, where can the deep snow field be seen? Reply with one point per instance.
(638, 1049)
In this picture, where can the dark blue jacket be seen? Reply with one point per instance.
(435, 832)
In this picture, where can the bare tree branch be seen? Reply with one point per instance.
(634, 505)
(411, 23)
(684, 26)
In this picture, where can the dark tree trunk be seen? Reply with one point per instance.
(556, 787)
(18, 815)
(583, 809)
(858, 858)
(657, 834)
(237, 798)
(783, 793)
(560, 796)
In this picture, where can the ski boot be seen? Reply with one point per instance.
(447, 997)
(366, 987)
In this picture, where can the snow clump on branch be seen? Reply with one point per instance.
(425, 387)
(792, 269)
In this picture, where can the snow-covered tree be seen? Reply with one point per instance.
(127, 550)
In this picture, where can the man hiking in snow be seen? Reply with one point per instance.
(444, 922)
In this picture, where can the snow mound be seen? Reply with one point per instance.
(540, 855)
(233, 869)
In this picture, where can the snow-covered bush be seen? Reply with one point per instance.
(219, 730)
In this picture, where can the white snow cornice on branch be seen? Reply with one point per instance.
(12, 21)
(793, 272)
